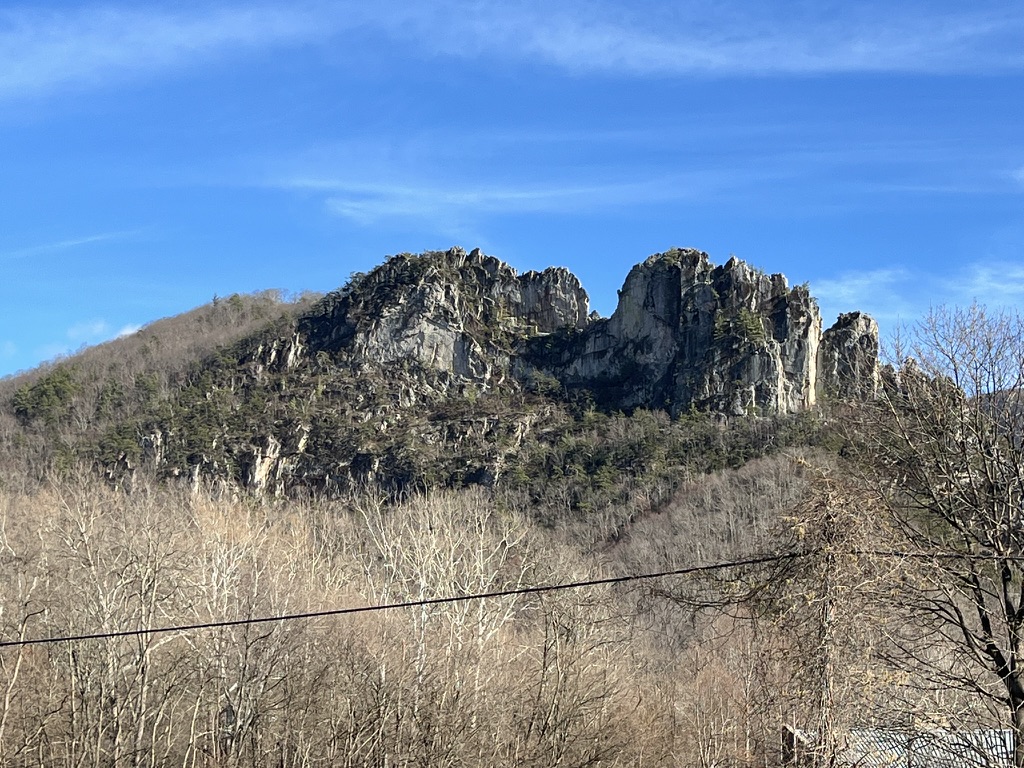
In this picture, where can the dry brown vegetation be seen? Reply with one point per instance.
(582, 677)
(171, 345)
(895, 599)
(598, 676)
(83, 395)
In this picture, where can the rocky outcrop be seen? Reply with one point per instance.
(686, 333)
(728, 339)
(457, 312)
(418, 371)
(552, 300)
(848, 361)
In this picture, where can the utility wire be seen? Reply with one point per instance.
(408, 603)
(981, 556)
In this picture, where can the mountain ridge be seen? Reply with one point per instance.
(448, 368)
(685, 334)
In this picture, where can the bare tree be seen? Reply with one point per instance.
(943, 444)
(562, 679)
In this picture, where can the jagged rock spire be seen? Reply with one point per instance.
(686, 333)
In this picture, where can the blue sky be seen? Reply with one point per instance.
(155, 154)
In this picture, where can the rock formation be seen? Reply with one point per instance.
(451, 368)
(848, 360)
(456, 312)
(727, 339)
(686, 334)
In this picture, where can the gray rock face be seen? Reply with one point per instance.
(456, 312)
(727, 339)
(848, 361)
(552, 300)
(686, 333)
(431, 350)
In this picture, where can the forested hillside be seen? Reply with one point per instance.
(695, 521)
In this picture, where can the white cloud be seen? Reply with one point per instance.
(80, 335)
(451, 210)
(898, 294)
(96, 331)
(882, 293)
(97, 45)
(992, 284)
(366, 203)
(91, 45)
(64, 245)
(728, 38)
(8, 349)
(89, 331)
(852, 287)
(457, 208)
(455, 199)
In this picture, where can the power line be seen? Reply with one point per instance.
(406, 604)
(499, 593)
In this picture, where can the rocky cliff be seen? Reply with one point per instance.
(445, 365)
(458, 313)
(449, 368)
(686, 334)
(728, 339)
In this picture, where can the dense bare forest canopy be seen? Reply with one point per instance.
(261, 457)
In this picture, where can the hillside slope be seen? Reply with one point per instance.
(449, 369)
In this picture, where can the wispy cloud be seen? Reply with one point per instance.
(40, 51)
(8, 349)
(900, 294)
(455, 209)
(59, 246)
(93, 331)
(881, 293)
(92, 45)
(659, 38)
(433, 175)
(88, 332)
(452, 205)
(993, 284)
(368, 204)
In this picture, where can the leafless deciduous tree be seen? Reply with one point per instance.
(943, 444)
(526, 681)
